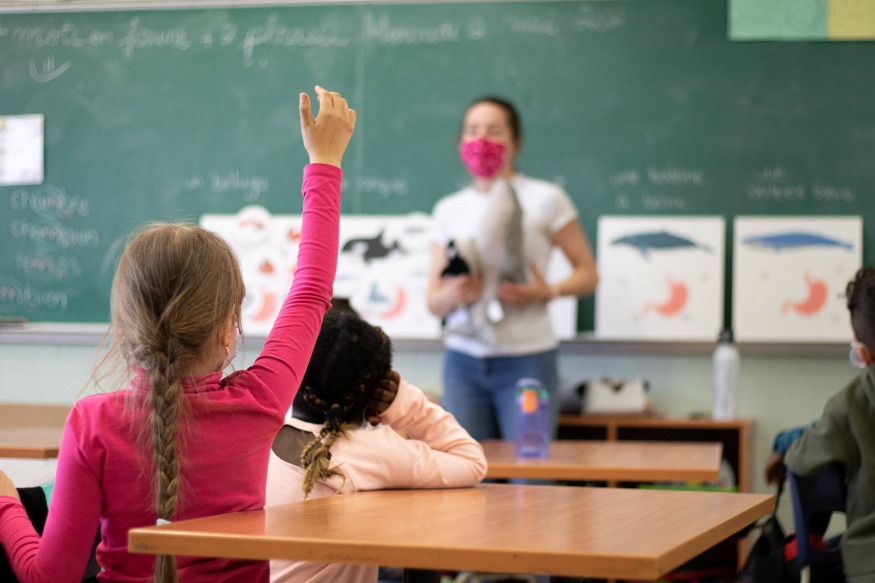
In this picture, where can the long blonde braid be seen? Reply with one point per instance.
(166, 398)
(176, 288)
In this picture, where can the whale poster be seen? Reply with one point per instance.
(382, 268)
(789, 277)
(660, 278)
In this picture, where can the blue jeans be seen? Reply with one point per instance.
(480, 393)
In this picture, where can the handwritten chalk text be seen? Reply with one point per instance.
(65, 237)
(30, 297)
(50, 201)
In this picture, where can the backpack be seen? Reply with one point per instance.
(772, 559)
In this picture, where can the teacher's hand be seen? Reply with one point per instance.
(7, 488)
(517, 294)
(463, 289)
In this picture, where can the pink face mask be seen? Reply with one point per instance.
(482, 158)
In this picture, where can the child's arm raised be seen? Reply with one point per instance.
(282, 362)
(326, 137)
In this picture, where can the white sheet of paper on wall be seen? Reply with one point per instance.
(789, 277)
(382, 268)
(660, 278)
(21, 149)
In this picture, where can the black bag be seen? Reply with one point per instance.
(766, 561)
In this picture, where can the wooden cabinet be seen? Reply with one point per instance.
(725, 558)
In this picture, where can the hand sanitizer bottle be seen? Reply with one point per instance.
(533, 419)
(726, 365)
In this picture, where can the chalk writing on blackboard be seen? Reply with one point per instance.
(384, 187)
(662, 203)
(641, 187)
(630, 177)
(831, 193)
(47, 70)
(774, 183)
(47, 267)
(48, 200)
(674, 176)
(47, 233)
(592, 19)
(533, 25)
(382, 30)
(137, 37)
(231, 182)
(276, 34)
(15, 295)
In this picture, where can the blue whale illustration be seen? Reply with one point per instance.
(659, 240)
(795, 240)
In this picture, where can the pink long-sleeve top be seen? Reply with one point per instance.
(104, 471)
(437, 453)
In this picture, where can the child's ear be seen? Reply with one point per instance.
(225, 334)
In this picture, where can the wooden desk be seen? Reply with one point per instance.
(629, 461)
(31, 431)
(620, 533)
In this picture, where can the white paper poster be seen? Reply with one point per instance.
(21, 149)
(661, 278)
(790, 275)
(382, 268)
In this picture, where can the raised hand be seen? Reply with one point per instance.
(327, 135)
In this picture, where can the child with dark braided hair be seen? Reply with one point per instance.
(179, 439)
(328, 447)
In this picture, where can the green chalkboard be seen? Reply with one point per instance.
(635, 107)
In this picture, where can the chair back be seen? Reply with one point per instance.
(814, 500)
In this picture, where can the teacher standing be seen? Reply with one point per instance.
(485, 356)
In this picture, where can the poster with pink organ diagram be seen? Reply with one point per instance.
(382, 269)
(661, 278)
(789, 277)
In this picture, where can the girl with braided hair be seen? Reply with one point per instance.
(182, 441)
(328, 447)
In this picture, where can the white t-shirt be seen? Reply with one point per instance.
(547, 208)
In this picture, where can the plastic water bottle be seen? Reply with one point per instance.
(726, 364)
(533, 419)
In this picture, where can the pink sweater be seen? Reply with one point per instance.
(438, 454)
(104, 474)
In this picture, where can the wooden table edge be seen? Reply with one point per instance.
(150, 540)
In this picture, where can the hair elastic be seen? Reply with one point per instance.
(161, 521)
